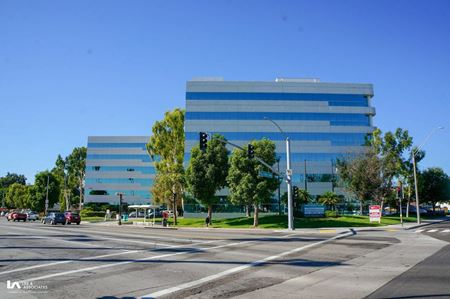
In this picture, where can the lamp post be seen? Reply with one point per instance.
(413, 156)
(120, 194)
(288, 176)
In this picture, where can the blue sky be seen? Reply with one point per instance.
(70, 69)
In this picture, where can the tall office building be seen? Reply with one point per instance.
(324, 121)
(118, 164)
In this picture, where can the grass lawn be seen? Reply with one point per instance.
(274, 222)
(280, 222)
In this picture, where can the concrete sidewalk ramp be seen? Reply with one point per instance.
(359, 277)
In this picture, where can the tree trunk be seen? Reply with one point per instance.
(210, 212)
(381, 206)
(247, 211)
(255, 216)
(407, 207)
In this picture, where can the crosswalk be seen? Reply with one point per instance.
(434, 230)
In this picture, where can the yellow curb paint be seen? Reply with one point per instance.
(327, 231)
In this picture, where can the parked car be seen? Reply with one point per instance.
(412, 209)
(17, 216)
(140, 214)
(54, 218)
(72, 217)
(32, 216)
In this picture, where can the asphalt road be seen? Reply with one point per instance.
(94, 261)
(428, 279)
(91, 261)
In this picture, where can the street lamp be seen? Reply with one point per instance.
(413, 156)
(288, 176)
(120, 194)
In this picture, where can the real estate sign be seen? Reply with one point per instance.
(375, 213)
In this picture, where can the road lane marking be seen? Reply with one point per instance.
(99, 237)
(130, 262)
(446, 231)
(68, 261)
(419, 230)
(433, 230)
(239, 268)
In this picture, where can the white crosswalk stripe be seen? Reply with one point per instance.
(434, 230)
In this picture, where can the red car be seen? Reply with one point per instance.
(17, 216)
(72, 217)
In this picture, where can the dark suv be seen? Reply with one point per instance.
(54, 218)
(72, 217)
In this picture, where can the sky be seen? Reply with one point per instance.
(73, 69)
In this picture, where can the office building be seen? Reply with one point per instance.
(325, 121)
(118, 164)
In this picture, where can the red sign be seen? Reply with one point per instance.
(375, 213)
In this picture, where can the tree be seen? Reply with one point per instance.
(303, 198)
(391, 149)
(38, 191)
(7, 181)
(245, 184)
(361, 175)
(434, 186)
(330, 199)
(11, 178)
(59, 172)
(166, 147)
(17, 196)
(75, 165)
(207, 171)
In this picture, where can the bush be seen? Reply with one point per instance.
(331, 214)
(90, 213)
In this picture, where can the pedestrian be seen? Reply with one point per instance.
(207, 221)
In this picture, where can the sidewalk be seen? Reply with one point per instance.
(330, 230)
(359, 277)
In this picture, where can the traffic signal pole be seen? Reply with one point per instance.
(287, 176)
(289, 184)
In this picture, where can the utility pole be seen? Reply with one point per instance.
(413, 155)
(46, 195)
(81, 190)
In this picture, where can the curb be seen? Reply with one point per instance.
(426, 224)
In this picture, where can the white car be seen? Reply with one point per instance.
(32, 216)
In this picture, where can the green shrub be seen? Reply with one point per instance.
(331, 214)
(90, 213)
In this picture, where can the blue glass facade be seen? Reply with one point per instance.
(118, 164)
(325, 121)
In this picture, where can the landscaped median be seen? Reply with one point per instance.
(275, 222)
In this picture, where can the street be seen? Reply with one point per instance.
(95, 261)
(429, 278)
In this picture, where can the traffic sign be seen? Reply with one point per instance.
(265, 174)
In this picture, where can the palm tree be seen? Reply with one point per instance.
(330, 199)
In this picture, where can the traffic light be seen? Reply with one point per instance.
(203, 140)
(296, 194)
(250, 151)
